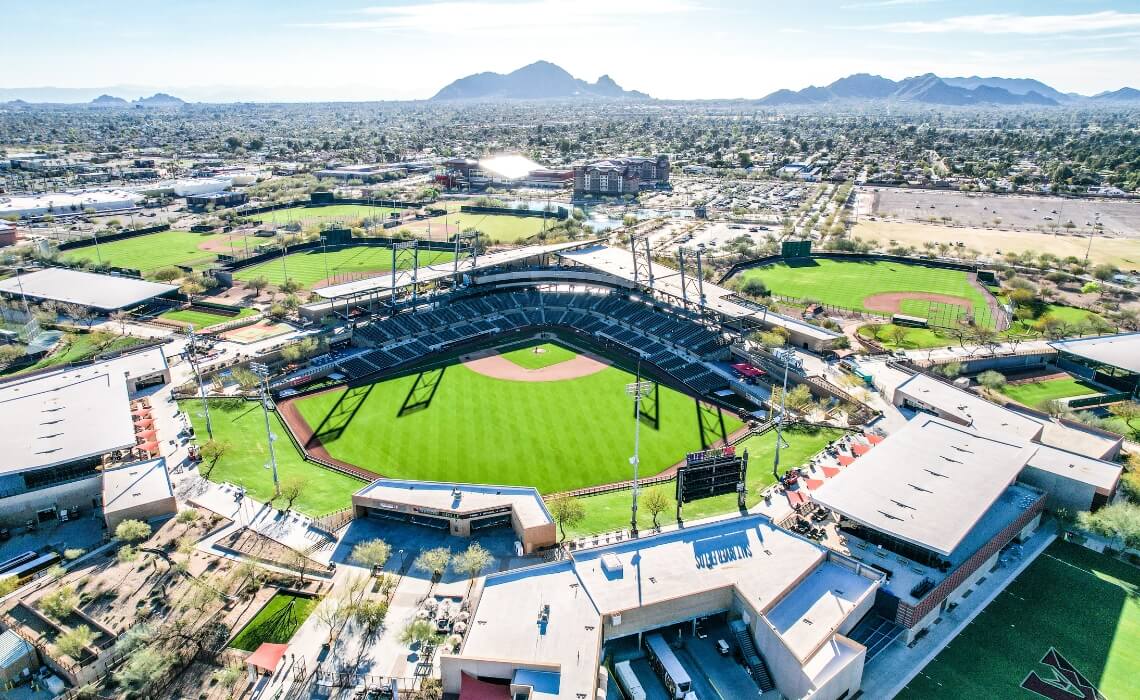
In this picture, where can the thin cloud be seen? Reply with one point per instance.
(451, 16)
(872, 4)
(1018, 24)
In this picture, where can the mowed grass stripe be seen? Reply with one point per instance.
(848, 283)
(555, 436)
(309, 266)
(332, 212)
(151, 251)
(1082, 603)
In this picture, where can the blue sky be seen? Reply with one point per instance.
(402, 49)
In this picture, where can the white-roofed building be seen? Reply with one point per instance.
(795, 599)
(100, 292)
(68, 203)
(62, 428)
(1113, 360)
(138, 491)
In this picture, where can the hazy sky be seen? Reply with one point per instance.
(402, 49)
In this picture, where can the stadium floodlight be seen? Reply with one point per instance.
(786, 356)
(192, 355)
(636, 390)
(262, 371)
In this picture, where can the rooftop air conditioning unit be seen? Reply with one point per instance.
(615, 619)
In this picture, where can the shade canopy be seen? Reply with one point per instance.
(267, 656)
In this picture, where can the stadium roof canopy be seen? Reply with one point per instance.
(382, 284)
(102, 292)
(930, 484)
(525, 501)
(1121, 350)
(619, 263)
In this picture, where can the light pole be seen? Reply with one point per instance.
(261, 370)
(193, 355)
(636, 390)
(782, 355)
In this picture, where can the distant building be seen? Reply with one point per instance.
(506, 170)
(68, 203)
(364, 173)
(615, 177)
(216, 199)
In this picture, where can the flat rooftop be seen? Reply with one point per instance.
(461, 498)
(381, 285)
(103, 292)
(72, 413)
(619, 263)
(809, 615)
(1121, 350)
(970, 409)
(506, 625)
(1096, 472)
(136, 484)
(929, 483)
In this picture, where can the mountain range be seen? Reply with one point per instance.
(540, 80)
(932, 89)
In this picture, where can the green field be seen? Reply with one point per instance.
(276, 622)
(848, 283)
(155, 250)
(201, 319)
(555, 436)
(80, 346)
(502, 228)
(242, 429)
(347, 213)
(1033, 394)
(610, 511)
(1083, 604)
(550, 354)
(311, 266)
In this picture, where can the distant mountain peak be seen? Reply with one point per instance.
(106, 100)
(927, 88)
(536, 81)
(159, 99)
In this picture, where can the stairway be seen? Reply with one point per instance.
(751, 656)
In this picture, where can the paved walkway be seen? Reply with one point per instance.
(889, 672)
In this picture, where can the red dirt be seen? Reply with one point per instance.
(496, 366)
(891, 301)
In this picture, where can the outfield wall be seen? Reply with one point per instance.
(851, 257)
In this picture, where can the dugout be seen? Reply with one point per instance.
(461, 509)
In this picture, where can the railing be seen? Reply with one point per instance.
(1099, 400)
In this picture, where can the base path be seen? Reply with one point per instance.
(496, 366)
(892, 301)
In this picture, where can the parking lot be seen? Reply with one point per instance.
(1007, 211)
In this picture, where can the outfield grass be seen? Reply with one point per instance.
(503, 228)
(610, 511)
(80, 346)
(312, 266)
(152, 251)
(1033, 394)
(347, 213)
(551, 354)
(915, 338)
(555, 436)
(848, 283)
(276, 622)
(201, 319)
(1083, 604)
(242, 430)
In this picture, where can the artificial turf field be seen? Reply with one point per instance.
(1083, 604)
(155, 250)
(1033, 394)
(555, 436)
(241, 428)
(847, 283)
(311, 266)
(276, 622)
(547, 354)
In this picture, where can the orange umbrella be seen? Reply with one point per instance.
(845, 460)
(148, 434)
(874, 439)
(830, 471)
(814, 484)
(860, 449)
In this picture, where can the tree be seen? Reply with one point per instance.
(59, 603)
(370, 615)
(1127, 411)
(212, 451)
(8, 584)
(754, 287)
(419, 632)
(229, 676)
(992, 380)
(257, 284)
(656, 501)
(372, 554)
(142, 668)
(74, 642)
(472, 560)
(950, 370)
(1104, 272)
(897, 335)
(291, 490)
(187, 517)
(296, 560)
(132, 531)
(567, 510)
(433, 561)
(1119, 521)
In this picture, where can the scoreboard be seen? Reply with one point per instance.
(796, 249)
(712, 473)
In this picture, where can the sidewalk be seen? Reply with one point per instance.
(889, 672)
